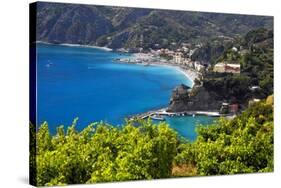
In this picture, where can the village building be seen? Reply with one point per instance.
(191, 52)
(233, 108)
(178, 58)
(227, 108)
(198, 66)
(227, 68)
(220, 67)
(253, 101)
(188, 62)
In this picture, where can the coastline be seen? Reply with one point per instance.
(77, 45)
(147, 60)
(189, 74)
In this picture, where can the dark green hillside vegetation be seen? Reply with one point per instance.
(118, 27)
(212, 50)
(232, 88)
(221, 49)
(256, 60)
(102, 153)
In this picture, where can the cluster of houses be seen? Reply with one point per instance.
(226, 67)
(181, 56)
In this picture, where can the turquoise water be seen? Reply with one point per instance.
(87, 83)
(186, 125)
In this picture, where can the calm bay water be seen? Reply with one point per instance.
(87, 83)
(186, 125)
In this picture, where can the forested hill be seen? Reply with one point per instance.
(118, 27)
(254, 52)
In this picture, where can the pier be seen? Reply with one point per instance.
(157, 114)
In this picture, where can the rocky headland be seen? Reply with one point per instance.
(197, 98)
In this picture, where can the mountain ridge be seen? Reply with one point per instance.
(117, 27)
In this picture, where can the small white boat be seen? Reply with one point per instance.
(157, 117)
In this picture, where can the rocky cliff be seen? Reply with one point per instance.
(197, 99)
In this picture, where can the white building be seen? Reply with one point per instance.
(219, 67)
(178, 58)
(198, 66)
(227, 67)
(234, 49)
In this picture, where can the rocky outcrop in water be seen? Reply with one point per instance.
(180, 98)
(197, 99)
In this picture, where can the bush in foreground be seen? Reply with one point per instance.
(102, 153)
(241, 145)
(141, 150)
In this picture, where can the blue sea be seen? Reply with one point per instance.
(87, 83)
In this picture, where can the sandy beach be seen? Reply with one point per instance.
(148, 59)
(190, 74)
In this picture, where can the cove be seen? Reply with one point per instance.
(82, 82)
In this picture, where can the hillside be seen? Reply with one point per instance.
(255, 55)
(118, 27)
(254, 52)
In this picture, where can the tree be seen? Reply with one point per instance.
(241, 145)
(143, 150)
(102, 153)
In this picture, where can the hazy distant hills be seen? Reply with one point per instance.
(118, 27)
